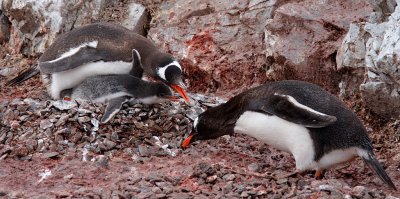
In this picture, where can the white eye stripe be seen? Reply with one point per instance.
(196, 122)
(296, 103)
(161, 70)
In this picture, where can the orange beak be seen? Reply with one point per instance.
(186, 142)
(181, 92)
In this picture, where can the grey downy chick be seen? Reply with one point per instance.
(116, 90)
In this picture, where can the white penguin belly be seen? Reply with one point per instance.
(281, 134)
(338, 156)
(71, 78)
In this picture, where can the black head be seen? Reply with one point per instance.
(171, 73)
(213, 123)
(163, 91)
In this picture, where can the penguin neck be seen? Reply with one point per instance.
(222, 118)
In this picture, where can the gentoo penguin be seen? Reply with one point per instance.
(101, 49)
(294, 116)
(118, 89)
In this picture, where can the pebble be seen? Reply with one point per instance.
(211, 179)
(179, 195)
(282, 181)
(160, 195)
(228, 187)
(244, 194)
(359, 191)
(83, 119)
(144, 195)
(64, 104)
(143, 150)
(168, 189)
(62, 120)
(45, 124)
(254, 167)
(50, 155)
(156, 190)
(109, 144)
(229, 177)
(391, 197)
(101, 161)
(203, 169)
(14, 125)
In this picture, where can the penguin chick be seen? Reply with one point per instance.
(116, 90)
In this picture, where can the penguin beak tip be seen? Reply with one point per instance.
(185, 144)
(182, 92)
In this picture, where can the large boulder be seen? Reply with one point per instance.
(374, 48)
(138, 18)
(35, 24)
(302, 39)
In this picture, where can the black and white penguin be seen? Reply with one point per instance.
(294, 116)
(102, 49)
(116, 90)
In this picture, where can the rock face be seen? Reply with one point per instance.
(220, 43)
(4, 28)
(230, 45)
(374, 48)
(303, 37)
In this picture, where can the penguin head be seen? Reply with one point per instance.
(163, 92)
(171, 74)
(208, 125)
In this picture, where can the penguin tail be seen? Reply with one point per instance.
(25, 75)
(370, 159)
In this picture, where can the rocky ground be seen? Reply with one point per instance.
(58, 149)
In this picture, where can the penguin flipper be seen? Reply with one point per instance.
(288, 108)
(374, 164)
(84, 55)
(113, 106)
(23, 76)
(137, 68)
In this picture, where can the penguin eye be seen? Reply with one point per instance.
(162, 95)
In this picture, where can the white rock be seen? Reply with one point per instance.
(51, 18)
(376, 47)
(137, 18)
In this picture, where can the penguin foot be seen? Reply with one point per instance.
(319, 174)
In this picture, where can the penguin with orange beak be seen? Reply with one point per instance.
(102, 49)
(297, 117)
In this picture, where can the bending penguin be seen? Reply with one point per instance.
(102, 49)
(294, 116)
(116, 90)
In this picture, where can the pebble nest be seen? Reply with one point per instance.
(146, 139)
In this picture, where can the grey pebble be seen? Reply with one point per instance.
(45, 124)
(254, 167)
(229, 177)
(50, 155)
